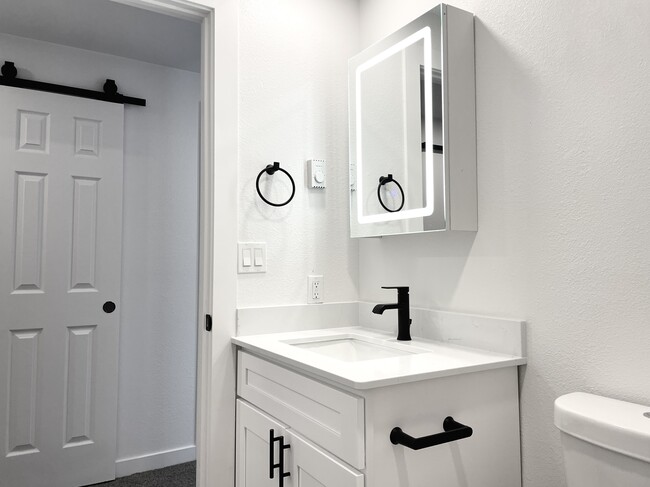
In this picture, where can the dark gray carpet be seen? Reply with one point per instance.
(183, 475)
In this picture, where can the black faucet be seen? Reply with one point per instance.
(403, 313)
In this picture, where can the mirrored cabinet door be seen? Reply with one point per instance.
(413, 129)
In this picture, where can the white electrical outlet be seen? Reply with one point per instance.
(315, 289)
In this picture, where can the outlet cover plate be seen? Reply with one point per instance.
(315, 289)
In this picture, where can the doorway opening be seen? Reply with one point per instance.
(162, 292)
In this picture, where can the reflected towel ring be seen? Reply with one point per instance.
(385, 180)
(272, 169)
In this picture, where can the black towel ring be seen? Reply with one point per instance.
(272, 169)
(385, 180)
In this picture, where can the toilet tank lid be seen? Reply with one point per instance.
(612, 424)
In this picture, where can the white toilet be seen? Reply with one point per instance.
(606, 442)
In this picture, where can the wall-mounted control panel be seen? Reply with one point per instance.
(316, 173)
(251, 257)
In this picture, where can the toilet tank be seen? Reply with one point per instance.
(606, 442)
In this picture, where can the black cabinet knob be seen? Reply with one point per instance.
(109, 307)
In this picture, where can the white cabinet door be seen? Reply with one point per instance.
(60, 261)
(308, 465)
(253, 447)
(312, 467)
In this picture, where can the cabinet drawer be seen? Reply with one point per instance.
(486, 401)
(330, 418)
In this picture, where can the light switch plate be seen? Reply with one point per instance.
(251, 257)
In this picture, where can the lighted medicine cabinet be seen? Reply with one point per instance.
(413, 129)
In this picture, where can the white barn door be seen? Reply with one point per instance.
(61, 168)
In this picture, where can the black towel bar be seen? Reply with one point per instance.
(453, 431)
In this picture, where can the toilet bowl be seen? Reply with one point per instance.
(606, 442)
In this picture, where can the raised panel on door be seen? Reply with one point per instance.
(312, 467)
(253, 447)
(30, 197)
(80, 370)
(21, 395)
(61, 183)
(33, 131)
(84, 234)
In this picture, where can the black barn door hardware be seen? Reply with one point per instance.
(453, 431)
(383, 180)
(10, 78)
(280, 464)
(271, 170)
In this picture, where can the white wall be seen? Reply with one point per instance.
(157, 382)
(293, 107)
(564, 202)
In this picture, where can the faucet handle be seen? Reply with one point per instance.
(402, 291)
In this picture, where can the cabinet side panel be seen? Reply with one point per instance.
(460, 151)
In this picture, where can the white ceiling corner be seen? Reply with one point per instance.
(106, 26)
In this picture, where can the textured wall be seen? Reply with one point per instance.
(157, 381)
(564, 202)
(293, 106)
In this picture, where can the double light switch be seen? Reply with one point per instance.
(251, 258)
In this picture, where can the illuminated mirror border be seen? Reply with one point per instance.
(423, 34)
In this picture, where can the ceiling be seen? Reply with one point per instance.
(105, 26)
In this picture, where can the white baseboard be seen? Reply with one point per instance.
(152, 461)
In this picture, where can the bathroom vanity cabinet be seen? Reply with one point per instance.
(328, 434)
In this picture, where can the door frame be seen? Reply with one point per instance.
(215, 402)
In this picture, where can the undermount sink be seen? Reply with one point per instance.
(352, 349)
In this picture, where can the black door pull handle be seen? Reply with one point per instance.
(280, 464)
(453, 430)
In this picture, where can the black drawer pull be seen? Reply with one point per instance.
(453, 431)
(280, 464)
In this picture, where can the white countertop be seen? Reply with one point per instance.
(432, 359)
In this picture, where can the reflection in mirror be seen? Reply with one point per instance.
(388, 104)
(396, 129)
(384, 181)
